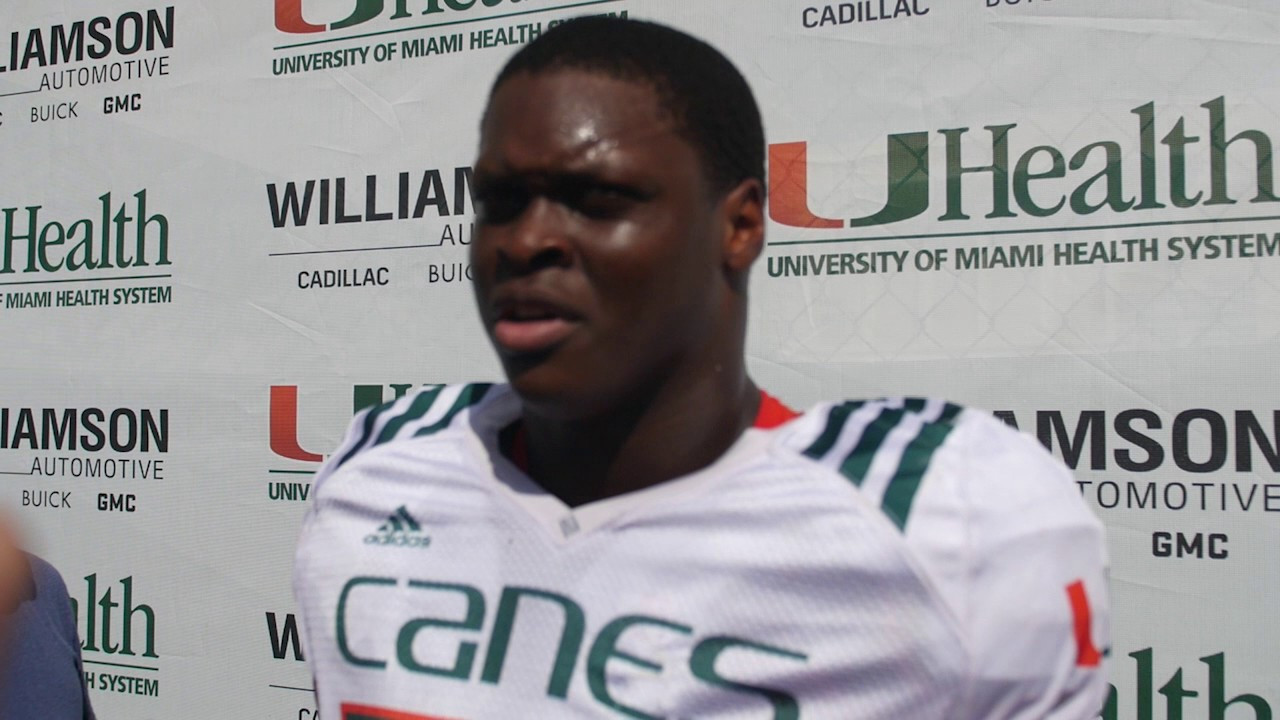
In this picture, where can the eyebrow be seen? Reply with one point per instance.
(483, 175)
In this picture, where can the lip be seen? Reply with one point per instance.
(529, 336)
(528, 322)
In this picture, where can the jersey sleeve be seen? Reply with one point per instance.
(1020, 558)
(353, 441)
(425, 411)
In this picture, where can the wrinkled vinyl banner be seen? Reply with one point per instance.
(229, 225)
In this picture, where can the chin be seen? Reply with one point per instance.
(556, 394)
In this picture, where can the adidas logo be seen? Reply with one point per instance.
(399, 529)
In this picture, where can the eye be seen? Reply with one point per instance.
(500, 203)
(600, 201)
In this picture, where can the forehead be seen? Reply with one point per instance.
(566, 118)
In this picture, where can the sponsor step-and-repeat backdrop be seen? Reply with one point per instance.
(228, 226)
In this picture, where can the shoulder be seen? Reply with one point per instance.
(904, 451)
(431, 410)
(1000, 533)
(1001, 474)
(883, 447)
(400, 449)
(51, 597)
(46, 577)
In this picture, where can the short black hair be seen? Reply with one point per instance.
(708, 98)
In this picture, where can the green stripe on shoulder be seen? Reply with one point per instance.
(836, 419)
(858, 461)
(418, 408)
(902, 489)
(949, 413)
(366, 432)
(470, 395)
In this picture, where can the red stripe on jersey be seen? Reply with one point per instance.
(368, 712)
(1087, 654)
(772, 413)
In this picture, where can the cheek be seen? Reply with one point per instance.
(661, 274)
(481, 242)
(481, 254)
(482, 258)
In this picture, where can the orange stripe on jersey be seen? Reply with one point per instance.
(1087, 654)
(772, 412)
(368, 712)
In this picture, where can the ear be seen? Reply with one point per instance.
(743, 226)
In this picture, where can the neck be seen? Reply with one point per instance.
(657, 435)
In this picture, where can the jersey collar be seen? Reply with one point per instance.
(503, 447)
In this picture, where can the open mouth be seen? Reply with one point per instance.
(526, 326)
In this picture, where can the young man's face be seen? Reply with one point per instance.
(597, 258)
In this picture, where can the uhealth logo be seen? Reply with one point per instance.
(114, 624)
(1041, 180)
(289, 12)
(1213, 698)
(36, 244)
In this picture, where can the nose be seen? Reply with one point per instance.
(537, 239)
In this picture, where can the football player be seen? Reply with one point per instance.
(630, 527)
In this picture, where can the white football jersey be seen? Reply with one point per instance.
(895, 559)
